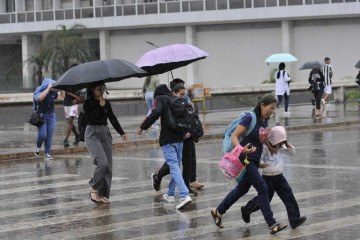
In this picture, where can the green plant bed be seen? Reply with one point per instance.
(352, 94)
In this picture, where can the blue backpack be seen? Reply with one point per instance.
(227, 144)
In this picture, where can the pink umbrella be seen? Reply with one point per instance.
(170, 57)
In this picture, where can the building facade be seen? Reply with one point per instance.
(238, 34)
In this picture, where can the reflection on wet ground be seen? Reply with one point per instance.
(49, 200)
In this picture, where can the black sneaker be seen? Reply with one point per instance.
(192, 192)
(298, 222)
(245, 215)
(66, 143)
(155, 182)
(313, 102)
(76, 142)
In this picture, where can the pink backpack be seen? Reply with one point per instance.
(231, 166)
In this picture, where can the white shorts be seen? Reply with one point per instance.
(327, 89)
(71, 111)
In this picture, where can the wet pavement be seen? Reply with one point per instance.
(50, 200)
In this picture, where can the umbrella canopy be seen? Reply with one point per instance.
(110, 70)
(280, 57)
(170, 57)
(358, 64)
(311, 65)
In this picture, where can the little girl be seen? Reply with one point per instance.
(272, 167)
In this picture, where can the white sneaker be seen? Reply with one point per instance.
(48, 157)
(183, 202)
(168, 198)
(323, 102)
(286, 114)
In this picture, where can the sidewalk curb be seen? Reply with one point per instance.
(148, 142)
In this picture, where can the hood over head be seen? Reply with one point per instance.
(277, 135)
(162, 89)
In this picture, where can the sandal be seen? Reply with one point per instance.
(277, 227)
(93, 196)
(103, 200)
(217, 217)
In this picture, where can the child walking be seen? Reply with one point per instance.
(272, 163)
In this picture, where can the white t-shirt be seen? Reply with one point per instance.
(275, 161)
(282, 83)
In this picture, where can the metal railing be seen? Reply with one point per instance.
(135, 7)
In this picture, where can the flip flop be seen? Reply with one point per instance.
(217, 217)
(277, 227)
(93, 196)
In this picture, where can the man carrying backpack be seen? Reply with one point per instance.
(171, 142)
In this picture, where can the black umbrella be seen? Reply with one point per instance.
(312, 65)
(110, 70)
(358, 64)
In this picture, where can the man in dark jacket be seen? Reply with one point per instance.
(171, 143)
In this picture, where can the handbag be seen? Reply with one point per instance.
(231, 166)
(36, 119)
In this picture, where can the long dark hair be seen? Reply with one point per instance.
(281, 67)
(90, 88)
(266, 100)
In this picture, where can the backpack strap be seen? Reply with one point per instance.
(252, 124)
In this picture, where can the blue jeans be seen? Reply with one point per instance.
(279, 99)
(46, 131)
(173, 154)
(252, 178)
(279, 185)
(149, 98)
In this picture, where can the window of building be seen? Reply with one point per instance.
(10, 5)
(47, 5)
(87, 3)
(29, 5)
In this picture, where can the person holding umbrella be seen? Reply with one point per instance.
(317, 81)
(282, 87)
(98, 140)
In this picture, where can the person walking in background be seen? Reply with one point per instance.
(272, 165)
(44, 103)
(98, 140)
(282, 88)
(171, 142)
(188, 152)
(71, 106)
(150, 84)
(316, 79)
(252, 150)
(328, 73)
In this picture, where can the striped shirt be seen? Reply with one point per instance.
(328, 73)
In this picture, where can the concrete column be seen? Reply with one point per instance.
(339, 94)
(287, 42)
(191, 70)
(104, 42)
(29, 44)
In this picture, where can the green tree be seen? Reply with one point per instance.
(63, 47)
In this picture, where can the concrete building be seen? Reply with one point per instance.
(238, 35)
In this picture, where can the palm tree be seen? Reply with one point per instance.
(63, 47)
